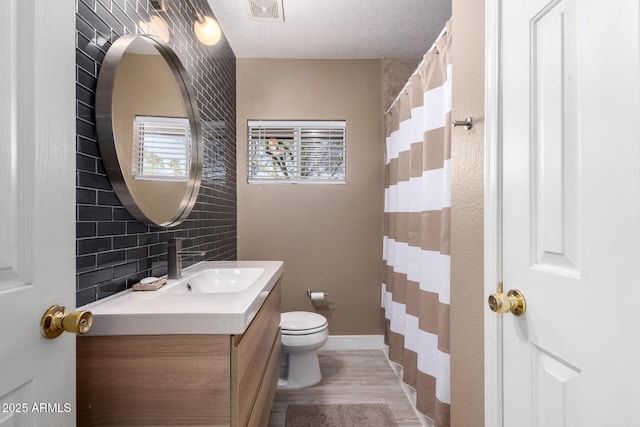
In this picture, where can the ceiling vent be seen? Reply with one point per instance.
(265, 10)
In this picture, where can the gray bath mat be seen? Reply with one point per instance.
(352, 415)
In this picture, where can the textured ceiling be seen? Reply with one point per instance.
(335, 28)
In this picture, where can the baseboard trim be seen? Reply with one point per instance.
(354, 342)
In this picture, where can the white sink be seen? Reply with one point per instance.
(216, 280)
(212, 297)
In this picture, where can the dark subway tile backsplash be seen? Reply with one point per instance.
(94, 213)
(93, 180)
(120, 242)
(113, 250)
(90, 279)
(85, 263)
(109, 198)
(106, 259)
(87, 146)
(85, 229)
(85, 196)
(84, 62)
(93, 245)
(111, 228)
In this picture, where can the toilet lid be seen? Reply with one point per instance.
(301, 321)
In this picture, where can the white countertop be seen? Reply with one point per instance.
(162, 313)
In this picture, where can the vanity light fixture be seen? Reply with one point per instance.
(156, 25)
(206, 28)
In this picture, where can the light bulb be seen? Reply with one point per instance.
(208, 32)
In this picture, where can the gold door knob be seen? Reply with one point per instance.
(55, 321)
(513, 302)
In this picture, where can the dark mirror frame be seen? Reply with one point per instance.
(106, 134)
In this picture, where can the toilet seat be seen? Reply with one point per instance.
(302, 323)
(304, 332)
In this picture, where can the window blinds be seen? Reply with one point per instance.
(161, 149)
(296, 152)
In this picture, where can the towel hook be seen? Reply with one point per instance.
(467, 123)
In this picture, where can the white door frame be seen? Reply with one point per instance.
(493, 407)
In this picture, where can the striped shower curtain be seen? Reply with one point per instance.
(415, 292)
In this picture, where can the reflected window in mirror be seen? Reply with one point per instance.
(161, 149)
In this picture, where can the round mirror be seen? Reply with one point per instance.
(149, 130)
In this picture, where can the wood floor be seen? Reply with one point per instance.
(354, 376)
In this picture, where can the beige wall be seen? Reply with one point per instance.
(395, 74)
(329, 236)
(467, 200)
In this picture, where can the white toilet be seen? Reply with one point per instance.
(302, 334)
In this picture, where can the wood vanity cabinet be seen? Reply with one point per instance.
(186, 380)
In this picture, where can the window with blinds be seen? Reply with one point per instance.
(296, 152)
(161, 149)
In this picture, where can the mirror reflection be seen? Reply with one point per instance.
(149, 130)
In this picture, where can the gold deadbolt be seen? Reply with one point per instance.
(513, 302)
(55, 321)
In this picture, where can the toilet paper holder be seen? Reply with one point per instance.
(309, 292)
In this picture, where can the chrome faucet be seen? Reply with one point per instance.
(174, 257)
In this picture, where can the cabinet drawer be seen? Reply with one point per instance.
(153, 380)
(264, 402)
(250, 356)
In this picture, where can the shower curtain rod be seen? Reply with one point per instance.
(442, 34)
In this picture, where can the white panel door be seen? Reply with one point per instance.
(37, 212)
(571, 212)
